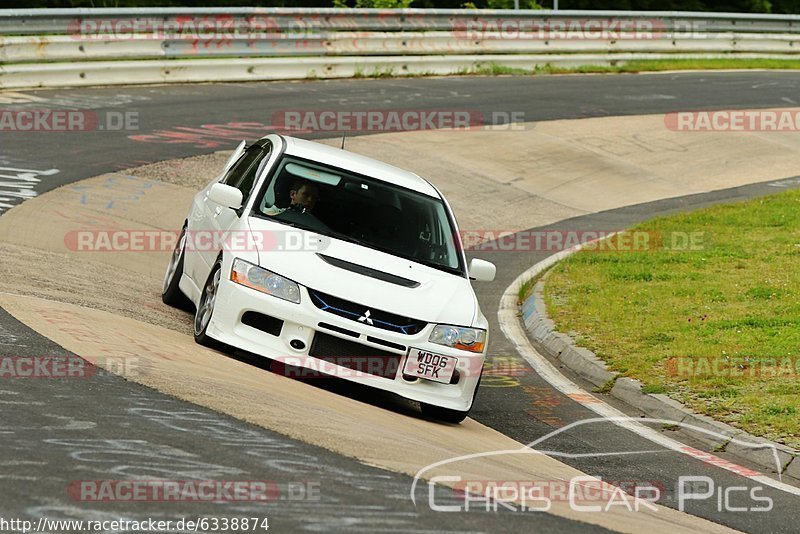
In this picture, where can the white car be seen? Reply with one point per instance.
(330, 261)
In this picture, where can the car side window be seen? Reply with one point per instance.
(244, 172)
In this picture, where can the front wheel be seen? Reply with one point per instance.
(446, 415)
(171, 293)
(205, 309)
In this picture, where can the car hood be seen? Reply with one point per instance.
(440, 297)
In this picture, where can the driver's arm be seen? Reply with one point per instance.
(272, 211)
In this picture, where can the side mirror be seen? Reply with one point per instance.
(482, 270)
(226, 196)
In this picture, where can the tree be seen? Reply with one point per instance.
(380, 4)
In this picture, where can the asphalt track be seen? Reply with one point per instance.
(129, 437)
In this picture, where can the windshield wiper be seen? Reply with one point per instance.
(357, 241)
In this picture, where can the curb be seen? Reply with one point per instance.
(541, 329)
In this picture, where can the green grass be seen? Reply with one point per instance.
(377, 72)
(715, 326)
(493, 69)
(606, 388)
(526, 288)
(645, 65)
(708, 64)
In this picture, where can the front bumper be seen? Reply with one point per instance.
(301, 323)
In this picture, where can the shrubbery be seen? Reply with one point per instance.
(743, 6)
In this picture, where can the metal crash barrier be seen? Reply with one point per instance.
(74, 47)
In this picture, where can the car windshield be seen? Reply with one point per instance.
(362, 210)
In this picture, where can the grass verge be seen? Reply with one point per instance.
(707, 311)
(526, 289)
(646, 65)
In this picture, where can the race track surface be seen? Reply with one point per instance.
(109, 428)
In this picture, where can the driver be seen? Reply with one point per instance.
(304, 196)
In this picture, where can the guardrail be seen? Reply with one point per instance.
(48, 47)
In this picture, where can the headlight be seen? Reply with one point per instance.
(255, 277)
(471, 339)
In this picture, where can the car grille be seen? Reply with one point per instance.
(365, 314)
(356, 356)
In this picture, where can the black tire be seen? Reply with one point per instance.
(447, 415)
(444, 415)
(205, 308)
(171, 293)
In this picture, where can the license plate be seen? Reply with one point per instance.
(430, 366)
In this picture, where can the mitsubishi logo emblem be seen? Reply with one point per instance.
(365, 318)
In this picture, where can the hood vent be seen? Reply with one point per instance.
(367, 271)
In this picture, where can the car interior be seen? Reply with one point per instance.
(384, 217)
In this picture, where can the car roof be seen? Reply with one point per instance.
(357, 163)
